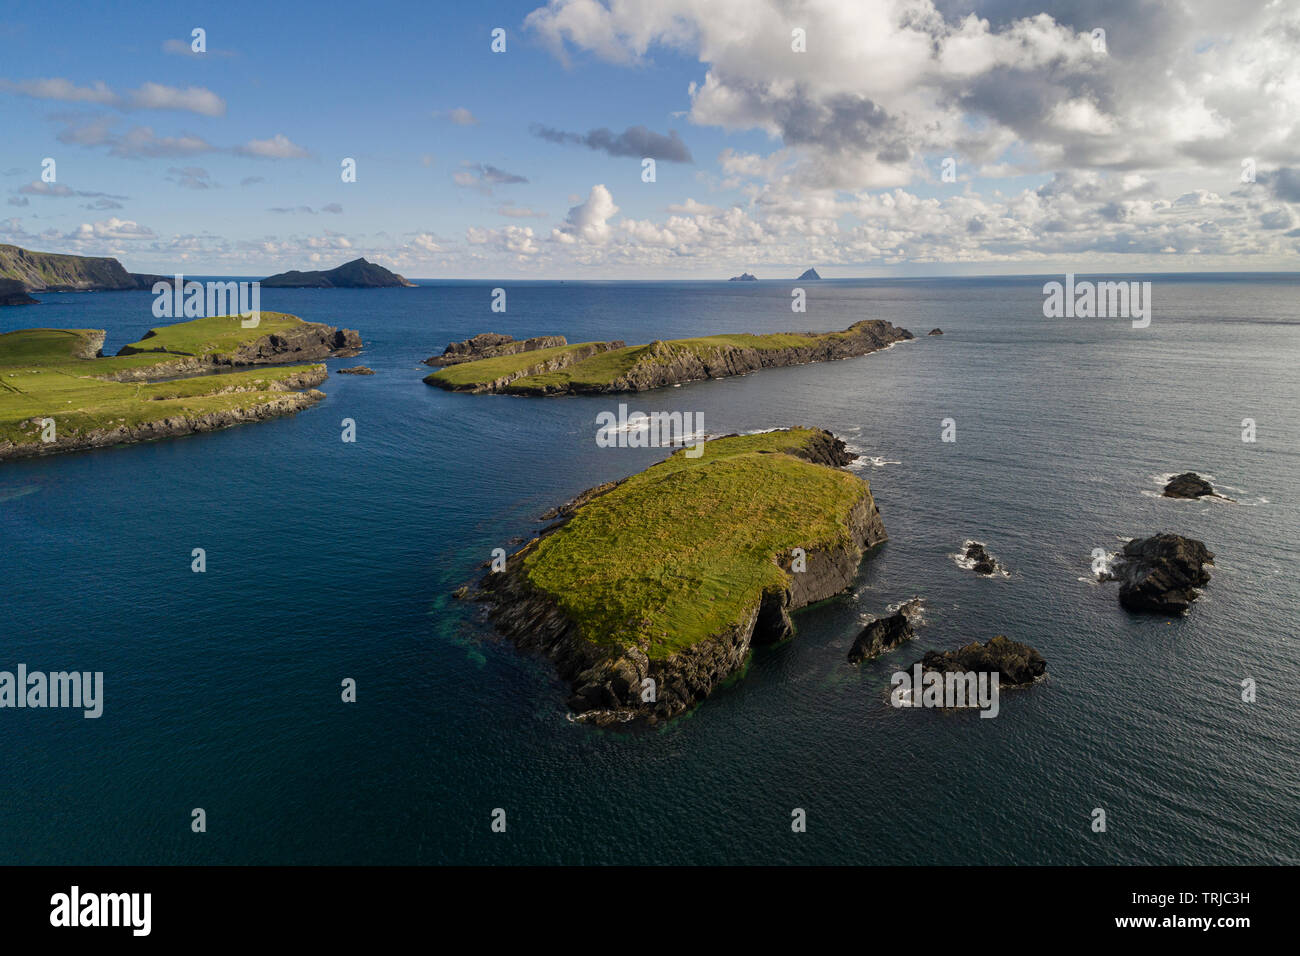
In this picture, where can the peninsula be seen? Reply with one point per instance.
(37, 272)
(648, 593)
(59, 393)
(357, 274)
(590, 368)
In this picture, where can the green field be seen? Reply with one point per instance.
(685, 549)
(40, 377)
(222, 333)
(606, 367)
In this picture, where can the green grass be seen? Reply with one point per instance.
(41, 378)
(223, 333)
(685, 549)
(483, 371)
(606, 367)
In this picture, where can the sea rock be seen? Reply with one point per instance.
(358, 370)
(1188, 485)
(491, 345)
(1161, 573)
(983, 562)
(1015, 664)
(935, 332)
(13, 292)
(743, 277)
(885, 633)
(809, 274)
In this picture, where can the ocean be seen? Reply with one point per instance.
(329, 560)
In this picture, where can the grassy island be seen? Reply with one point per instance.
(599, 367)
(153, 388)
(673, 572)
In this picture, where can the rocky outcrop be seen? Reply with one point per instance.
(492, 345)
(357, 274)
(743, 277)
(1188, 485)
(808, 274)
(1015, 664)
(935, 332)
(358, 370)
(305, 342)
(885, 633)
(13, 292)
(607, 682)
(979, 560)
(1162, 574)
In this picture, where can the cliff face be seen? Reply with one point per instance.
(307, 342)
(492, 345)
(56, 272)
(607, 682)
(13, 292)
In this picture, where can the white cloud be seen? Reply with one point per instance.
(588, 221)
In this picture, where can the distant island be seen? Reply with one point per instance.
(58, 392)
(37, 272)
(809, 274)
(744, 277)
(756, 527)
(605, 367)
(357, 274)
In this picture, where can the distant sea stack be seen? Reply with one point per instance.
(744, 277)
(57, 272)
(491, 345)
(935, 332)
(357, 274)
(809, 274)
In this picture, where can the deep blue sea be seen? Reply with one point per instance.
(328, 560)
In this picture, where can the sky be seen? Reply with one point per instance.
(862, 137)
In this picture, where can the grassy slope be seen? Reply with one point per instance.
(222, 333)
(491, 369)
(57, 269)
(39, 378)
(605, 367)
(685, 549)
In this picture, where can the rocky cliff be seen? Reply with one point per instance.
(491, 345)
(59, 272)
(306, 342)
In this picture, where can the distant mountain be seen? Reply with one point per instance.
(60, 272)
(810, 274)
(743, 277)
(357, 274)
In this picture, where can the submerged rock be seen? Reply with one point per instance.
(1188, 485)
(885, 633)
(1161, 573)
(1013, 662)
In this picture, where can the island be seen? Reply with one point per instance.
(744, 277)
(59, 393)
(357, 274)
(589, 368)
(1189, 485)
(808, 274)
(37, 272)
(647, 593)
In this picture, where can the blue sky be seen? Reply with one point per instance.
(1066, 159)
